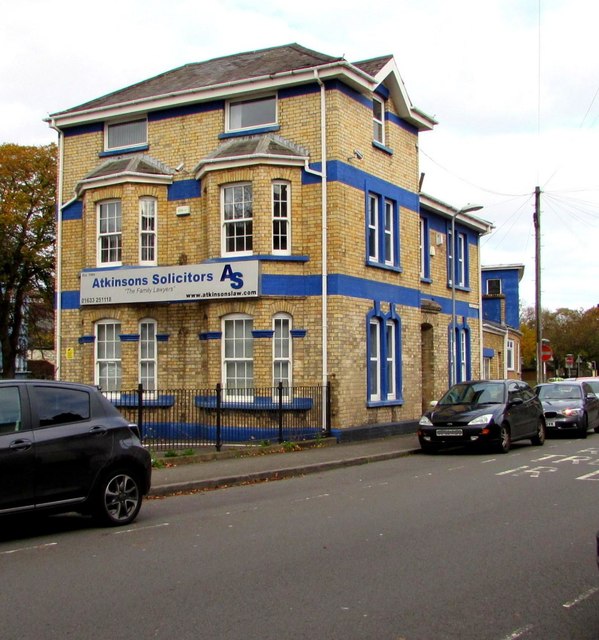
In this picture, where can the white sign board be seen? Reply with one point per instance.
(170, 284)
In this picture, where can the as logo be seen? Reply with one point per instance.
(236, 277)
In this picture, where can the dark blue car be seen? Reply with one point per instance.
(493, 412)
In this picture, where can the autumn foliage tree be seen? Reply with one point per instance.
(27, 234)
(569, 331)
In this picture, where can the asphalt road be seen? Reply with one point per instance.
(454, 546)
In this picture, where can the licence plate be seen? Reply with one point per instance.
(550, 423)
(449, 432)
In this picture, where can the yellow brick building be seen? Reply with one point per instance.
(256, 219)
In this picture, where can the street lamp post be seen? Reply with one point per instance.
(452, 342)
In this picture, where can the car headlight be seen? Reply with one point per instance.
(484, 419)
(425, 421)
(572, 412)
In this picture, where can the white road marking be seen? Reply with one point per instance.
(35, 548)
(583, 596)
(533, 472)
(590, 476)
(135, 530)
(518, 633)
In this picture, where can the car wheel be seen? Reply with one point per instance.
(584, 426)
(539, 439)
(505, 439)
(118, 498)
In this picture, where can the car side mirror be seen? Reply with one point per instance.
(516, 401)
(432, 403)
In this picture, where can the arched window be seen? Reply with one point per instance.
(108, 372)
(282, 362)
(147, 354)
(384, 356)
(238, 355)
(461, 353)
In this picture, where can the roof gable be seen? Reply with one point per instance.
(262, 70)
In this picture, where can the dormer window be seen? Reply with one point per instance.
(123, 135)
(250, 114)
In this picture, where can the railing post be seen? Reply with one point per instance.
(140, 410)
(280, 392)
(219, 443)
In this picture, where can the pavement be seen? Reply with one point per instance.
(213, 470)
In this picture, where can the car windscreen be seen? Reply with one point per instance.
(475, 393)
(560, 392)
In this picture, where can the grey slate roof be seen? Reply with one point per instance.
(373, 66)
(139, 165)
(238, 67)
(262, 145)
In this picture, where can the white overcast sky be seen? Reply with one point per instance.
(513, 84)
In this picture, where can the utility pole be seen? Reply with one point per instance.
(537, 225)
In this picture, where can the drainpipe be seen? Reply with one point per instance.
(324, 240)
(480, 316)
(58, 283)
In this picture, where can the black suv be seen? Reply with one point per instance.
(64, 447)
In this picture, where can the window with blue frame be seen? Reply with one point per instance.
(425, 250)
(382, 235)
(461, 353)
(459, 267)
(384, 356)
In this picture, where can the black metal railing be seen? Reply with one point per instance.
(188, 418)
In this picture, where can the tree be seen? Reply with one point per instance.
(27, 234)
(569, 331)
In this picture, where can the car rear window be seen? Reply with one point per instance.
(57, 406)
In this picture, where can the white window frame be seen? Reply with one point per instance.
(282, 350)
(148, 230)
(461, 257)
(378, 120)
(109, 232)
(281, 217)
(238, 356)
(229, 219)
(389, 232)
(391, 342)
(487, 368)
(231, 119)
(498, 280)
(373, 227)
(107, 353)
(374, 359)
(510, 355)
(148, 355)
(136, 140)
(463, 355)
(421, 245)
(450, 263)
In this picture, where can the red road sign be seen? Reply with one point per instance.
(546, 352)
